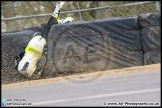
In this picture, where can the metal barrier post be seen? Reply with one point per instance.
(79, 12)
(157, 6)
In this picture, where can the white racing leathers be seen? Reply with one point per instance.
(33, 53)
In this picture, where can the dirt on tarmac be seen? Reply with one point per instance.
(92, 74)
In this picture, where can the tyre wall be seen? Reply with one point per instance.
(105, 44)
(150, 25)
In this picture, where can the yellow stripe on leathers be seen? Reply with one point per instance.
(56, 17)
(34, 50)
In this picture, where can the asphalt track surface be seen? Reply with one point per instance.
(129, 89)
